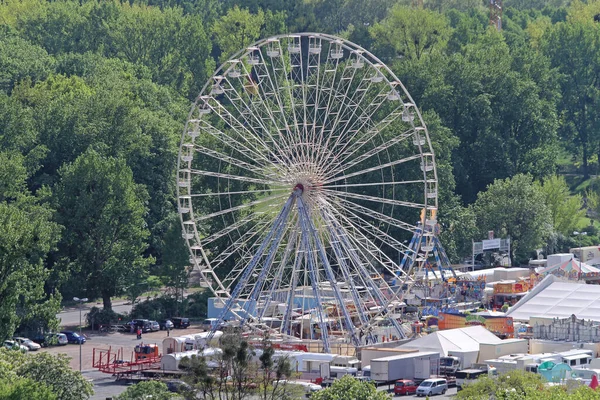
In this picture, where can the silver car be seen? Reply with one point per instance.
(433, 386)
(31, 345)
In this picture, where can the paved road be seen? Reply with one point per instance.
(450, 394)
(70, 316)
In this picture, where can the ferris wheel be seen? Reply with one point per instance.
(306, 179)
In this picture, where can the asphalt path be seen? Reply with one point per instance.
(70, 316)
(450, 394)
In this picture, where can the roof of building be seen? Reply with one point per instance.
(554, 299)
(465, 339)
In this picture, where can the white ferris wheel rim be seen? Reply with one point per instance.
(290, 163)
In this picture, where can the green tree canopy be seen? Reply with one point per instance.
(349, 387)
(102, 210)
(515, 207)
(565, 209)
(146, 390)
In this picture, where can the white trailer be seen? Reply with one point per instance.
(417, 366)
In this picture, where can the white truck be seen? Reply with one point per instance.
(417, 366)
(466, 376)
(457, 360)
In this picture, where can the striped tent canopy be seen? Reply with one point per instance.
(572, 269)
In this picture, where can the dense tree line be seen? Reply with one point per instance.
(93, 97)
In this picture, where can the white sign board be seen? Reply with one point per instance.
(491, 244)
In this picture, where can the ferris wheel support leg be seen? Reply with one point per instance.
(312, 269)
(287, 317)
(279, 222)
(328, 271)
(359, 305)
(277, 278)
(376, 292)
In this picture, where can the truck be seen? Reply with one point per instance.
(417, 366)
(466, 376)
(457, 360)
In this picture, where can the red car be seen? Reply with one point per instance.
(405, 386)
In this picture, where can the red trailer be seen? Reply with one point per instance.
(109, 361)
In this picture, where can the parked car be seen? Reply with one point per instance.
(30, 344)
(166, 324)
(209, 323)
(429, 387)
(405, 386)
(73, 337)
(180, 322)
(177, 386)
(51, 339)
(154, 326)
(14, 345)
(144, 324)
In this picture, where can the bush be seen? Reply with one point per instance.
(194, 306)
(96, 317)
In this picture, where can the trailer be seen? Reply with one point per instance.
(109, 361)
(417, 366)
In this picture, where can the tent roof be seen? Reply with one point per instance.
(465, 339)
(554, 299)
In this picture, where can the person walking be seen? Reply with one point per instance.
(139, 332)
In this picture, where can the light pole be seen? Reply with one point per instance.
(80, 301)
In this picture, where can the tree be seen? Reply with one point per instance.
(49, 374)
(515, 207)
(500, 105)
(55, 372)
(348, 387)
(20, 59)
(236, 375)
(573, 49)
(566, 210)
(102, 210)
(411, 33)
(21, 388)
(237, 30)
(28, 234)
(519, 384)
(154, 390)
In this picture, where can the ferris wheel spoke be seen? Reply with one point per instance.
(375, 168)
(256, 117)
(252, 139)
(225, 231)
(382, 97)
(343, 261)
(238, 246)
(233, 161)
(235, 145)
(354, 249)
(377, 216)
(279, 68)
(375, 199)
(347, 136)
(343, 159)
(391, 183)
(267, 84)
(269, 190)
(234, 177)
(360, 228)
(240, 207)
(336, 107)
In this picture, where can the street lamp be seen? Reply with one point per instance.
(80, 301)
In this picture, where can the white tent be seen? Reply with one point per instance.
(552, 298)
(464, 339)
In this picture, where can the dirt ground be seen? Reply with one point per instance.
(114, 341)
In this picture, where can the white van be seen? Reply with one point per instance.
(433, 386)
